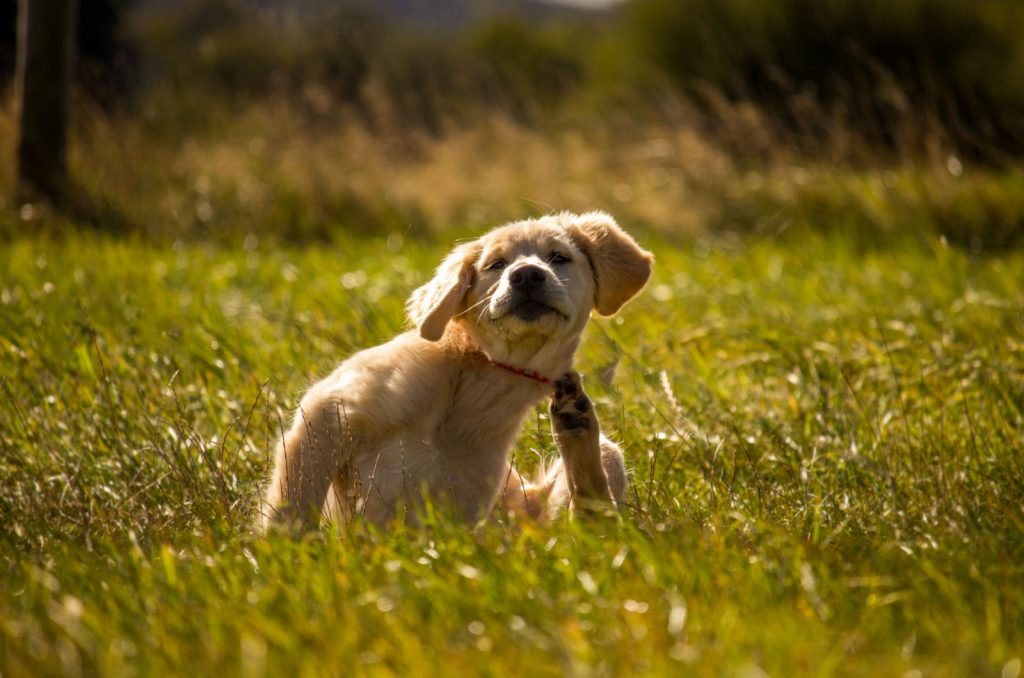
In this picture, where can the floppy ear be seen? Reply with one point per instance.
(431, 306)
(621, 267)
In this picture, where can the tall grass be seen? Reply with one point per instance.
(268, 173)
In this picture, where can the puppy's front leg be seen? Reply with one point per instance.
(578, 438)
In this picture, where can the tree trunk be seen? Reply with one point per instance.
(45, 53)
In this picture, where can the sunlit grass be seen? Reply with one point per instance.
(825, 444)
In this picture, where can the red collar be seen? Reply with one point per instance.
(529, 374)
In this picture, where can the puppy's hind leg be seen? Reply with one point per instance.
(555, 486)
(305, 465)
(522, 498)
(591, 473)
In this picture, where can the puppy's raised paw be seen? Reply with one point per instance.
(571, 411)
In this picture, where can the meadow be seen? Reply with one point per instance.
(825, 444)
(820, 394)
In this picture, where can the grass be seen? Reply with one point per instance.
(825, 441)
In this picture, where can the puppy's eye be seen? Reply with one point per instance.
(496, 265)
(558, 258)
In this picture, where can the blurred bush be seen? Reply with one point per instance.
(898, 72)
(354, 54)
(525, 62)
(231, 50)
(910, 76)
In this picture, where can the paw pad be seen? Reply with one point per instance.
(570, 406)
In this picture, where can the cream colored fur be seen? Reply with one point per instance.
(430, 414)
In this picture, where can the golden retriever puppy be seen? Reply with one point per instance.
(434, 413)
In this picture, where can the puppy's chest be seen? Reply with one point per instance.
(482, 413)
(465, 440)
(465, 451)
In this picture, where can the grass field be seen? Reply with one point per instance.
(825, 440)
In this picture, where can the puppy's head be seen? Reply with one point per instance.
(524, 291)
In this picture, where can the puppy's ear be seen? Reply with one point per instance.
(431, 306)
(621, 267)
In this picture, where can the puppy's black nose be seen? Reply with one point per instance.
(527, 277)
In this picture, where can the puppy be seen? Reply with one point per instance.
(434, 413)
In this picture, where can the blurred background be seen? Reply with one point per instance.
(307, 120)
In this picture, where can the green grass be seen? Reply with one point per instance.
(826, 444)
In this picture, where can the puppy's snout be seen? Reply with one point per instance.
(527, 277)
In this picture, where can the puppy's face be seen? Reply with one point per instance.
(529, 280)
(524, 291)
